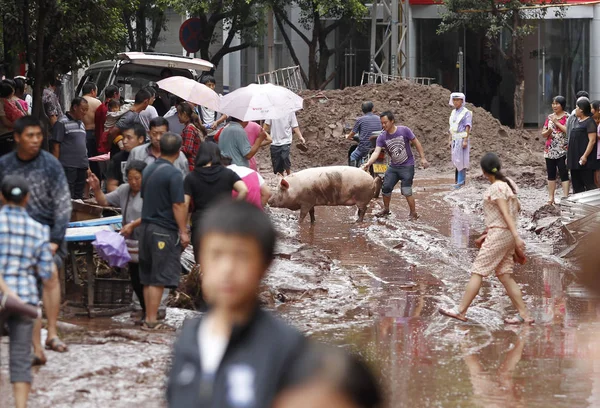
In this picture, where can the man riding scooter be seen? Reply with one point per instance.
(365, 126)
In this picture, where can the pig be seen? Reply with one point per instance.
(334, 185)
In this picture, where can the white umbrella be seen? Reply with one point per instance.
(257, 102)
(191, 91)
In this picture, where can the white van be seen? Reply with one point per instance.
(132, 71)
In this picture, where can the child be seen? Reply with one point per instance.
(236, 354)
(114, 106)
(327, 376)
(25, 258)
(500, 244)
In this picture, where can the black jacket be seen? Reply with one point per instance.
(255, 367)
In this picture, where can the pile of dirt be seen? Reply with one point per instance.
(329, 115)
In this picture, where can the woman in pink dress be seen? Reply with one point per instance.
(500, 245)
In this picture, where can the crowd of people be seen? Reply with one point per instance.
(184, 174)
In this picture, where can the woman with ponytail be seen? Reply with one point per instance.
(192, 134)
(500, 244)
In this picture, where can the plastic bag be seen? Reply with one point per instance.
(112, 248)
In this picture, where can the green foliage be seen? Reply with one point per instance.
(144, 20)
(242, 17)
(74, 33)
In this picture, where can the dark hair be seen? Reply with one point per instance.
(170, 144)
(208, 79)
(367, 107)
(157, 122)
(136, 165)
(389, 115)
(141, 96)
(150, 90)
(139, 130)
(24, 122)
(77, 101)
(225, 161)
(11, 82)
(585, 106)
(582, 94)
(345, 372)
(240, 218)
(186, 108)
(166, 73)
(208, 152)
(596, 106)
(114, 104)
(88, 88)
(110, 91)
(490, 164)
(19, 85)
(561, 100)
(14, 188)
(6, 89)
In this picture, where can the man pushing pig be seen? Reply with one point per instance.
(397, 140)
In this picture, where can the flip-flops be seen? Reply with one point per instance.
(453, 313)
(56, 344)
(157, 327)
(518, 320)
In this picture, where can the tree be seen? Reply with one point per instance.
(58, 36)
(495, 18)
(320, 18)
(239, 17)
(145, 20)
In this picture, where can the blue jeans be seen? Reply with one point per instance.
(356, 156)
(405, 174)
(461, 177)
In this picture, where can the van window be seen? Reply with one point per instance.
(132, 77)
(100, 78)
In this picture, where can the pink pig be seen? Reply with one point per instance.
(335, 185)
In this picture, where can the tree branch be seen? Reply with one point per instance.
(216, 59)
(288, 43)
(281, 14)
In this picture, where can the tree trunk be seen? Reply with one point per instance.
(517, 63)
(38, 84)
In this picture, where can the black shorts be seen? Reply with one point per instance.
(280, 157)
(160, 256)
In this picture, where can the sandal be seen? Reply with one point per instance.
(157, 327)
(518, 320)
(56, 344)
(413, 217)
(453, 313)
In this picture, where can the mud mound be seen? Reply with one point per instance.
(329, 115)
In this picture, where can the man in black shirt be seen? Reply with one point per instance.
(163, 232)
(132, 137)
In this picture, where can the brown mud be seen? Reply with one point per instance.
(375, 288)
(329, 115)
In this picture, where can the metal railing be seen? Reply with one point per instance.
(289, 77)
(377, 78)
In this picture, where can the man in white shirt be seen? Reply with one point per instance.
(210, 119)
(282, 131)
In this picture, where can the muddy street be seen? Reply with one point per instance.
(375, 288)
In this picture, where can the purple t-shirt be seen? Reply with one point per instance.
(398, 146)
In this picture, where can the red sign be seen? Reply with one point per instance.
(190, 35)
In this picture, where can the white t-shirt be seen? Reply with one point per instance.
(282, 129)
(245, 171)
(212, 347)
(147, 115)
(208, 116)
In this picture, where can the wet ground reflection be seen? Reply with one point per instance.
(427, 360)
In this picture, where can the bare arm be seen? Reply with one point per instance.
(267, 128)
(547, 132)
(590, 147)
(265, 194)
(56, 149)
(350, 135)
(415, 142)
(299, 134)
(503, 206)
(256, 146)
(373, 158)
(268, 140)
(95, 186)
(220, 120)
(112, 185)
(242, 190)
(53, 119)
(180, 211)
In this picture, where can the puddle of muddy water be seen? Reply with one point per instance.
(427, 360)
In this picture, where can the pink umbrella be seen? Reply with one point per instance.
(191, 91)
